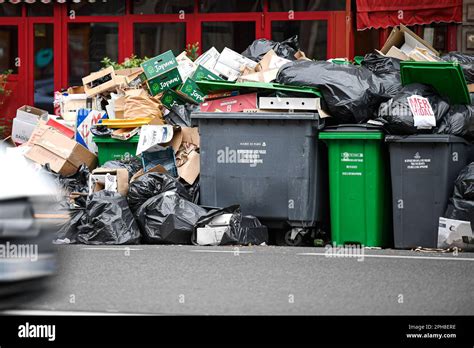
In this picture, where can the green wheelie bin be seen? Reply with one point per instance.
(359, 185)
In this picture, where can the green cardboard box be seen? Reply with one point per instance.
(170, 98)
(159, 65)
(164, 81)
(190, 90)
(202, 73)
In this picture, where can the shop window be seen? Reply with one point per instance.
(98, 8)
(10, 10)
(39, 9)
(306, 5)
(151, 39)
(219, 6)
(88, 44)
(44, 66)
(235, 35)
(8, 48)
(150, 7)
(312, 35)
(436, 35)
(366, 41)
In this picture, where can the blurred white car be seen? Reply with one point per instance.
(29, 219)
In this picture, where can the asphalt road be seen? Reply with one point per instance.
(258, 280)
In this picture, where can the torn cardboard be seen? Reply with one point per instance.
(114, 180)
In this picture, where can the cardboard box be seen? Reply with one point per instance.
(31, 114)
(402, 41)
(190, 91)
(202, 73)
(76, 90)
(64, 155)
(125, 133)
(160, 65)
(161, 138)
(141, 172)
(25, 122)
(102, 81)
(129, 74)
(271, 61)
(170, 98)
(186, 66)
(230, 64)
(232, 104)
(166, 80)
(261, 76)
(61, 126)
(114, 180)
(70, 104)
(85, 120)
(208, 59)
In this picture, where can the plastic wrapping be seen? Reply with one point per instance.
(387, 70)
(461, 209)
(397, 117)
(242, 230)
(153, 184)
(352, 93)
(180, 115)
(133, 165)
(168, 219)
(107, 220)
(260, 47)
(466, 61)
(101, 131)
(459, 121)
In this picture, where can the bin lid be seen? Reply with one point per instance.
(133, 139)
(425, 138)
(353, 131)
(255, 116)
(446, 77)
(208, 87)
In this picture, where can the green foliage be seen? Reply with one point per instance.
(3, 84)
(192, 51)
(131, 62)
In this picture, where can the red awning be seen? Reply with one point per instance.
(390, 13)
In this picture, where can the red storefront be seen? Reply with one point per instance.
(52, 44)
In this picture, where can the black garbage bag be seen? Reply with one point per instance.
(260, 47)
(352, 93)
(180, 115)
(461, 209)
(466, 61)
(193, 190)
(68, 232)
(241, 230)
(152, 184)
(387, 70)
(397, 117)
(108, 220)
(464, 184)
(133, 165)
(168, 219)
(78, 182)
(459, 121)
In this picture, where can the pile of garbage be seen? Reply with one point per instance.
(123, 147)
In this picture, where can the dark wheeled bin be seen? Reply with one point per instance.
(424, 168)
(269, 163)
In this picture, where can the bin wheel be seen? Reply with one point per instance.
(298, 238)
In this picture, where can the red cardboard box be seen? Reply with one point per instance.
(232, 104)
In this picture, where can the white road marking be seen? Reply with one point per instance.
(391, 257)
(101, 248)
(224, 251)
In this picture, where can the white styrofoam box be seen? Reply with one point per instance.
(210, 235)
(277, 103)
(31, 114)
(22, 130)
(230, 63)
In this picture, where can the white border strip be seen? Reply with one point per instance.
(455, 258)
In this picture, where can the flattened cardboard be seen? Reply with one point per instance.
(397, 39)
(232, 104)
(129, 74)
(190, 170)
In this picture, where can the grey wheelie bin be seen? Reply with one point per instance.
(423, 169)
(269, 163)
